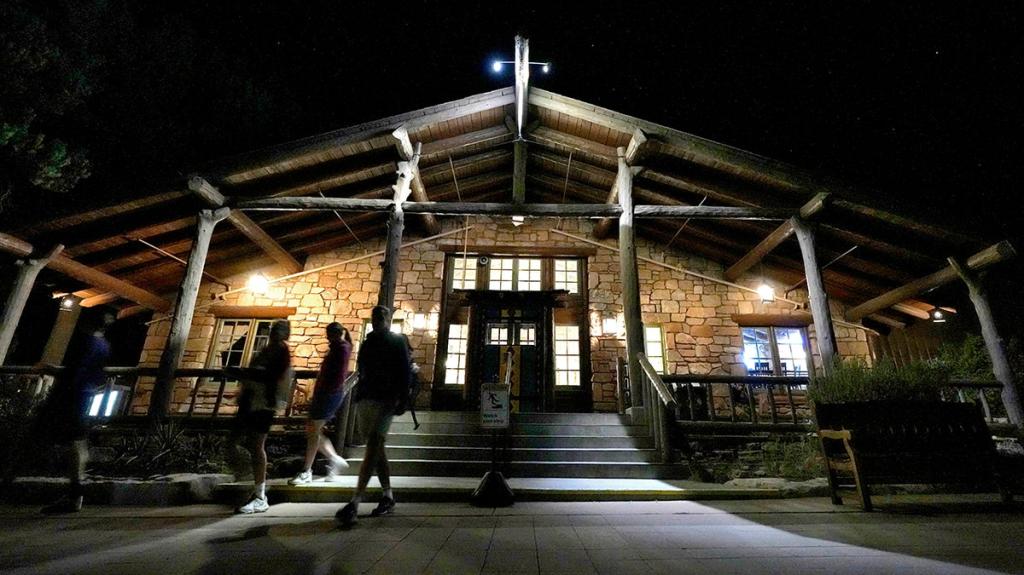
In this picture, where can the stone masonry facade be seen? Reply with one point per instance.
(695, 314)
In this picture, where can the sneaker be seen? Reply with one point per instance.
(385, 507)
(63, 505)
(347, 515)
(255, 505)
(302, 478)
(335, 467)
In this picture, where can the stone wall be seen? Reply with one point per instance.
(695, 314)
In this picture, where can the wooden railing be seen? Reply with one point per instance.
(662, 402)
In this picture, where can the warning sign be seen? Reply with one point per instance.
(494, 407)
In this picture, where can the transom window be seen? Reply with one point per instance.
(775, 351)
(501, 274)
(567, 275)
(567, 355)
(654, 347)
(464, 273)
(455, 361)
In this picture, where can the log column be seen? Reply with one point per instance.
(823, 331)
(993, 342)
(21, 287)
(630, 288)
(63, 329)
(184, 310)
(396, 225)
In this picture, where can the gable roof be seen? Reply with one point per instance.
(467, 154)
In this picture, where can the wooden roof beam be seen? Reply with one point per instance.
(244, 223)
(87, 275)
(979, 261)
(779, 235)
(411, 154)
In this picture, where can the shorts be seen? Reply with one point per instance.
(374, 419)
(325, 405)
(256, 421)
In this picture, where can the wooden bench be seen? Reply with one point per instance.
(890, 442)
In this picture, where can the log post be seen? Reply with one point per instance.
(63, 329)
(184, 310)
(21, 287)
(630, 288)
(823, 331)
(994, 343)
(396, 225)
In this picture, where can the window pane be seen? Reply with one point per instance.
(463, 273)
(567, 275)
(654, 347)
(501, 274)
(527, 334)
(497, 334)
(455, 361)
(529, 275)
(567, 355)
(792, 355)
(757, 353)
(232, 337)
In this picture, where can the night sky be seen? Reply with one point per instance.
(918, 102)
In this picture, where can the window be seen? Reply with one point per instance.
(501, 273)
(567, 355)
(567, 275)
(463, 273)
(455, 363)
(528, 276)
(775, 351)
(527, 334)
(396, 327)
(497, 334)
(654, 347)
(237, 341)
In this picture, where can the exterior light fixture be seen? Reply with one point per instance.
(496, 66)
(937, 315)
(67, 303)
(766, 292)
(258, 284)
(545, 68)
(518, 221)
(419, 321)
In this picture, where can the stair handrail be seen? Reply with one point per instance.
(662, 400)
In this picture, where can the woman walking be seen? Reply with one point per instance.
(328, 395)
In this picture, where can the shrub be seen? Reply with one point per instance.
(855, 381)
(797, 460)
(18, 408)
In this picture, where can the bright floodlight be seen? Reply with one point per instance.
(258, 284)
(766, 292)
(496, 66)
(545, 68)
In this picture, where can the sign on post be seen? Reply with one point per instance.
(494, 406)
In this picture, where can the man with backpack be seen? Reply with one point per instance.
(384, 373)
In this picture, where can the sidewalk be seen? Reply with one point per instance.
(909, 534)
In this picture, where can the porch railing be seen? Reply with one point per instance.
(661, 401)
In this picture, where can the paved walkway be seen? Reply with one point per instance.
(922, 534)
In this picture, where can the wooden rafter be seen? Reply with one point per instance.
(87, 275)
(635, 150)
(779, 235)
(410, 153)
(244, 223)
(979, 261)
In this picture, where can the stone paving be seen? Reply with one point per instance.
(909, 534)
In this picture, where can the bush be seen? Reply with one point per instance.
(967, 359)
(163, 450)
(18, 437)
(855, 381)
(797, 460)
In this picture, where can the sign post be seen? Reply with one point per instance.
(493, 490)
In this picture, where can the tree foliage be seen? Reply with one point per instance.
(44, 79)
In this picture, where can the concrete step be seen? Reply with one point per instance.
(522, 441)
(549, 418)
(562, 469)
(448, 452)
(458, 489)
(523, 429)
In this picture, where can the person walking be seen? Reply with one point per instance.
(384, 372)
(268, 375)
(68, 404)
(328, 394)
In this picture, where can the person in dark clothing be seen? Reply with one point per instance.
(68, 404)
(257, 404)
(328, 394)
(384, 372)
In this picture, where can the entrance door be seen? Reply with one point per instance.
(511, 338)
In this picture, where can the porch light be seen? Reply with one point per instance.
(419, 321)
(766, 292)
(518, 221)
(611, 326)
(937, 315)
(258, 284)
(67, 303)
